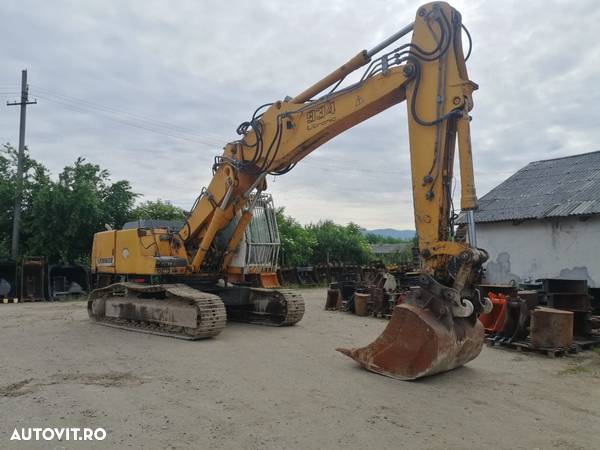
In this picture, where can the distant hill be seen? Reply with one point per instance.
(393, 233)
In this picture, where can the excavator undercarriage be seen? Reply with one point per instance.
(179, 310)
(273, 307)
(174, 310)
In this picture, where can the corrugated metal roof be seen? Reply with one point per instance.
(558, 187)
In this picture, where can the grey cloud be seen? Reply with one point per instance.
(204, 66)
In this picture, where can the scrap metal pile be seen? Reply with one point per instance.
(552, 316)
(326, 274)
(376, 294)
(34, 280)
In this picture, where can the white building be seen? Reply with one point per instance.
(544, 222)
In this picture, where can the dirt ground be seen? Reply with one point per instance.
(278, 388)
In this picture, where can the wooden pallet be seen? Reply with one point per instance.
(381, 316)
(587, 344)
(578, 345)
(525, 346)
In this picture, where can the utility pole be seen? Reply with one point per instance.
(19, 186)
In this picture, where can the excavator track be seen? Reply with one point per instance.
(295, 308)
(271, 307)
(260, 306)
(173, 310)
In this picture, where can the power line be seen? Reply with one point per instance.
(132, 116)
(80, 105)
(210, 140)
(139, 125)
(130, 122)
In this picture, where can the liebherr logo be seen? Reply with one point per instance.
(58, 434)
(105, 261)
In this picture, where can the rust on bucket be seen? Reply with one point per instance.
(416, 343)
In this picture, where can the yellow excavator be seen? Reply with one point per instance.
(178, 283)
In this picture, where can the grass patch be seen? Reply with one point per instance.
(575, 370)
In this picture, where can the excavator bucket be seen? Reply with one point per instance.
(416, 344)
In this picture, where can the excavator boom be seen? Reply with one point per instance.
(437, 329)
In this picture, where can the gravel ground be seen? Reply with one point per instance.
(257, 387)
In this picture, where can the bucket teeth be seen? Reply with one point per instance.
(416, 343)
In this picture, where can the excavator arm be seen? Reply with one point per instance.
(429, 74)
(436, 328)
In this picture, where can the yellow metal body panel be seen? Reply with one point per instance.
(132, 251)
(438, 95)
(135, 254)
(103, 252)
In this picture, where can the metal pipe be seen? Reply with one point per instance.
(359, 60)
(225, 201)
(471, 228)
(254, 200)
(350, 66)
(218, 220)
(256, 183)
(393, 38)
(238, 232)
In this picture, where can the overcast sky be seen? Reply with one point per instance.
(152, 90)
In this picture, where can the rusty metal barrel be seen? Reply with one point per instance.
(334, 300)
(551, 328)
(361, 303)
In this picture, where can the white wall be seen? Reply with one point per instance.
(565, 247)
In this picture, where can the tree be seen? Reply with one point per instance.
(35, 177)
(63, 216)
(339, 243)
(117, 199)
(401, 256)
(157, 210)
(60, 218)
(297, 243)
